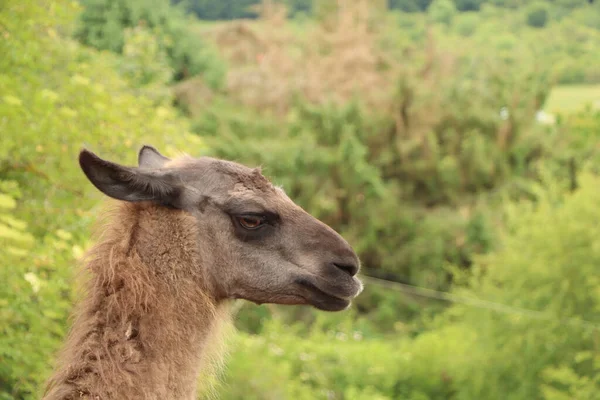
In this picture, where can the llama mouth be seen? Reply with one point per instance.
(322, 300)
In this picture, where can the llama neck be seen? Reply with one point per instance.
(143, 329)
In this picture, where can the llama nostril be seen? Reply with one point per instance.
(350, 269)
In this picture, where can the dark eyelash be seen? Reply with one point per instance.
(268, 217)
(253, 214)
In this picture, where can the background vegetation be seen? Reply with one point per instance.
(453, 143)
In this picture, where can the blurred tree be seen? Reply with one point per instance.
(146, 65)
(504, 3)
(537, 15)
(299, 6)
(569, 3)
(104, 22)
(409, 5)
(220, 9)
(442, 11)
(467, 23)
(468, 5)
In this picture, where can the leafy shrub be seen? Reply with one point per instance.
(34, 298)
(581, 48)
(546, 264)
(146, 65)
(442, 11)
(588, 16)
(537, 15)
(468, 5)
(335, 363)
(467, 23)
(104, 23)
(226, 9)
(405, 5)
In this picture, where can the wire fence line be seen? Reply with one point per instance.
(478, 303)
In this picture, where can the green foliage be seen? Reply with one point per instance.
(442, 11)
(506, 3)
(582, 127)
(231, 9)
(537, 15)
(146, 65)
(34, 298)
(570, 44)
(104, 24)
(223, 9)
(546, 264)
(409, 5)
(466, 24)
(564, 382)
(580, 46)
(56, 97)
(468, 5)
(569, 4)
(334, 363)
(299, 6)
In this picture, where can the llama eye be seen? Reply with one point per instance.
(250, 221)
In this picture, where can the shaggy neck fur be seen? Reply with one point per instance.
(143, 328)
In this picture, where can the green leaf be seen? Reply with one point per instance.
(7, 201)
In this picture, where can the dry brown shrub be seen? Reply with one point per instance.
(192, 95)
(345, 60)
(332, 60)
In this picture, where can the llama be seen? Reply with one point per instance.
(187, 236)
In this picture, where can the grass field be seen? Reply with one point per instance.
(568, 98)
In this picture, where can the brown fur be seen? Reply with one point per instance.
(140, 331)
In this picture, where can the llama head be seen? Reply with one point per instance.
(254, 242)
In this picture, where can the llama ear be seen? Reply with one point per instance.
(149, 157)
(129, 183)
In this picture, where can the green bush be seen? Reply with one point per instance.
(467, 23)
(336, 363)
(583, 129)
(406, 5)
(579, 46)
(537, 15)
(146, 65)
(34, 300)
(104, 24)
(229, 9)
(546, 264)
(468, 5)
(442, 11)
